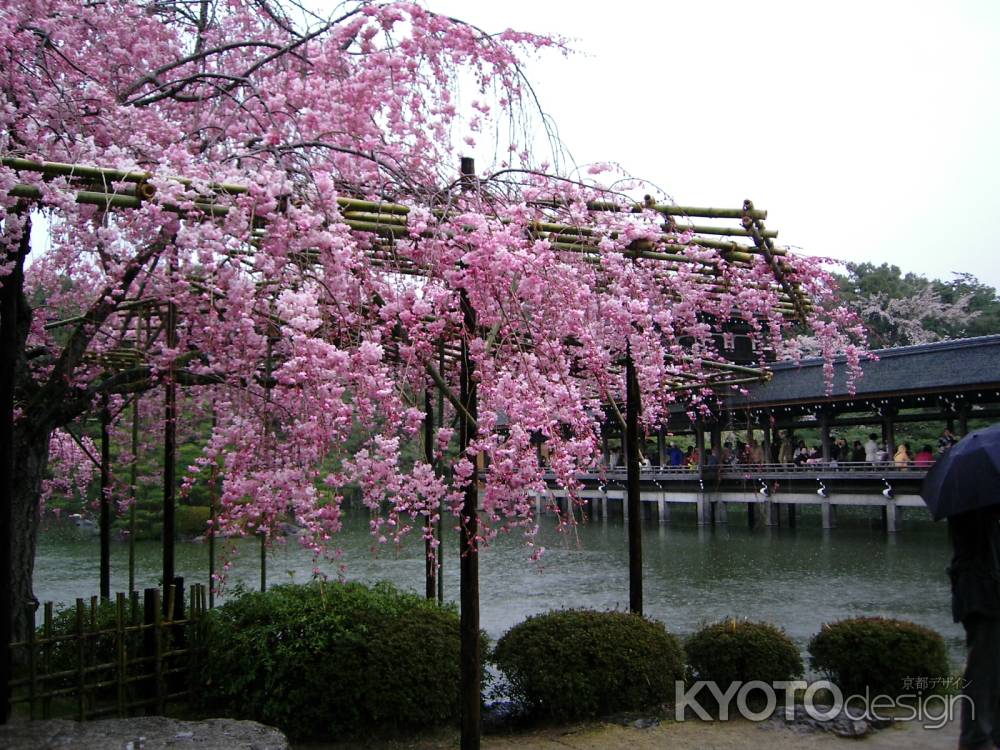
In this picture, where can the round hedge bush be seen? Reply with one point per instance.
(741, 651)
(323, 660)
(877, 653)
(573, 663)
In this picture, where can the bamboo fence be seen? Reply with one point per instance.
(146, 658)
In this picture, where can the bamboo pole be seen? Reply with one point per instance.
(105, 499)
(632, 485)
(32, 672)
(80, 658)
(46, 658)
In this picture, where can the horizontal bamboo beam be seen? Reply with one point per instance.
(708, 229)
(703, 212)
(117, 200)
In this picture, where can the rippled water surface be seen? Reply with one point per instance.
(796, 578)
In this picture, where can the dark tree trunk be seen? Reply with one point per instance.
(32, 458)
(18, 522)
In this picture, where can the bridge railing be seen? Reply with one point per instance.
(808, 469)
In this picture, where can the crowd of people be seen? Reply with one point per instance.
(787, 450)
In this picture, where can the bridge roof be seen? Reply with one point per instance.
(938, 368)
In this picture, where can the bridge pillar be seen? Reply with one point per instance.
(751, 515)
(704, 509)
(829, 515)
(663, 508)
(892, 517)
(791, 515)
(699, 441)
(825, 438)
(770, 513)
(715, 438)
(766, 442)
(719, 514)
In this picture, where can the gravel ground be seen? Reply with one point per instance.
(689, 735)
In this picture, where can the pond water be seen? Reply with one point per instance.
(796, 578)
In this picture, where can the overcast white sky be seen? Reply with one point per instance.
(869, 130)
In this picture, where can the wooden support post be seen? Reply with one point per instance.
(263, 561)
(963, 419)
(121, 663)
(213, 491)
(105, 499)
(791, 515)
(766, 441)
(716, 438)
(443, 468)
(889, 432)
(430, 562)
(661, 448)
(751, 515)
(169, 450)
(699, 442)
(133, 484)
(470, 658)
(824, 434)
(632, 482)
(703, 507)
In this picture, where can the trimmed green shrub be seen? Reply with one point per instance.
(741, 651)
(572, 663)
(877, 653)
(322, 660)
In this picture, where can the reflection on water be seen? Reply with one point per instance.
(796, 578)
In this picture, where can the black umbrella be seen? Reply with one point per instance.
(966, 477)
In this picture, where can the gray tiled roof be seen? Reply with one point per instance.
(942, 366)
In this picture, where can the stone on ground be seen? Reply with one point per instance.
(141, 733)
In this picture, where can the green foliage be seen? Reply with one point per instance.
(572, 663)
(190, 520)
(741, 651)
(877, 653)
(959, 308)
(326, 659)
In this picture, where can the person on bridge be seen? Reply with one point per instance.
(858, 454)
(871, 449)
(924, 457)
(676, 455)
(975, 602)
(902, 458)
